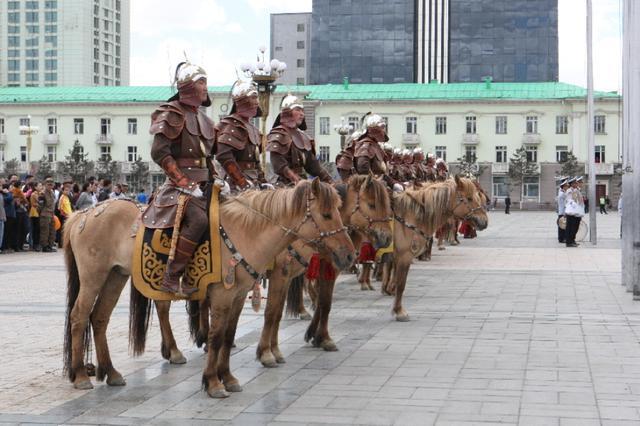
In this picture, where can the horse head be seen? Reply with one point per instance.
(366, 208)
(468, 204)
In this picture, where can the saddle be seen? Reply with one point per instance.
(151, 253)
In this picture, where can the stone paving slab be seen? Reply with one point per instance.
(508, 328)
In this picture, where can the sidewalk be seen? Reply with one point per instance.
(508, 328)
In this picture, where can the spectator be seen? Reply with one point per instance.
(22, 215)
(64, 208)
(9, 239)
(105, 191)
(34, 216)
(507, 205)
(142, 197)
(602, 201)
(87, 198)
(47, 229)
(117, 193)
(75, 194)
(3, 216)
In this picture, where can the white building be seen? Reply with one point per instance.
(488, 120)
(64, 43)
(290, 42)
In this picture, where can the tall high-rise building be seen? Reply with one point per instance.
(432, 40)
(290, 40)
(64, 42)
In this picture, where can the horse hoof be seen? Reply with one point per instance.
(281, 360)
(91, 370)
(205, 349)
(441, 248)
(83, 385)
(305, 316)
(116, 381)
(402, 317)
(233, 387)
(268, 360)
(371, 287)
(329, 346)
(218, 393)
(178, 359)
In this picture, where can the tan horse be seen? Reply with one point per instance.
(365, 211)
(417, 214)
(98, 251)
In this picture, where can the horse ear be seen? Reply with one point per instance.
(458, 182)
(315, 186)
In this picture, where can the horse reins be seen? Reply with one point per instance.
(370, 220)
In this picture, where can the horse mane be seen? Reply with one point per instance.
(376, 190)
(429, 205)
(279, 205)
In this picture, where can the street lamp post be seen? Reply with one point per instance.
(264, 76)
(29, 130)
(343, 129)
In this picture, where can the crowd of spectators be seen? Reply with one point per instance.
(32, 212)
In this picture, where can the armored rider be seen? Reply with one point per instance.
(183, 138)
(292, 152)
(238, 140)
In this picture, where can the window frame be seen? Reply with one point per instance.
(441, 152)
(501, 154)
(441, 125)
(531, 125)
(471, 124)
(562, 153)
(324, 125)
(411, 125)
(600, 124)
(132, 126)
(52, 126)
(532, 153)
(501, 124)
(562, 124)
(132, 153)
(600, 154)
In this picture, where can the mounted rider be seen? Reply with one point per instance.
(430, 167)
(442, 170)
(238, 142)
(419, 168)
(291, 151)
(183, 139)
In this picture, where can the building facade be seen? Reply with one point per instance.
(508, 40)
(64, 43)
(486, 121)
(290, 42)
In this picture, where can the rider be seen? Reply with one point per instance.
(442, 171)
(419, 169)
(430, 167)
(238, 145)
(183, 138)
(291, 151)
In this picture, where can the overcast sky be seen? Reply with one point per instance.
(222, 34)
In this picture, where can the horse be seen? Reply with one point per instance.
(99, 248)
(366, 211)
(417, 214)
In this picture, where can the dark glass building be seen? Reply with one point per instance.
(369, 41)
(509, 40)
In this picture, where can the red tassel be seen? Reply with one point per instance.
(313, 270)
(328, 271)
(367, 253)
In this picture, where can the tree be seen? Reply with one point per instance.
(11, 167)
(570, 166)
(139, 177)
(520, 167)
(77, 165)
(106, 167)
(468, 166)
(45, 168)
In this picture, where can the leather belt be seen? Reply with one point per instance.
(248, 165)
(192, 162)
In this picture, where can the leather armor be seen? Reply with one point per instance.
(238, 151)
(369, 156)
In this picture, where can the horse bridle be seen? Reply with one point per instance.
(370, 220)
(469, 215)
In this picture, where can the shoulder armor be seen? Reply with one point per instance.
(231, 132)
(364, 148)
(168, 119)
(279, 141)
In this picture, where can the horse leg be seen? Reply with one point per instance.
(385, 288)
(401, 272)
(168, 347)
(79, 319)
(322, 338)
(304, 314)
(312, 289)
(219, 314)
(278, 287)
(231, 384)
(429, 248)
(203, 331)
(100, 317)
(365, 277)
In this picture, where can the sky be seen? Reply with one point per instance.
(220, 35)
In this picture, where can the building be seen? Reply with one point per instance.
(64, 43)
(290, 42)
(488, 121)
(432, 41)
(508, 40)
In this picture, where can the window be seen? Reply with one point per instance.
(13, 17)
(78, 126)
(105, 126)
(25, 121)
(132, 126)
(278, 48)
(531, 186)
(354, 123)
(132, 153)
(157, 180)
(13, 53)
(13, 5)
(50, 4)
(13, 41)
(31, 17)
(441, 152)
(1, 126)
(501, 125)
(412, 125)
(52, 153)
(50, 64)
(31, 64)
(1, 153)
(599, 124)
(532, 153)
(562, 153)
(23, 154)
(31, 4)
(105, 153)
(52, 126)
(501, 154)
(50, 16)
(31, 53)
(300, 63)
(324, 155)
(300, 81)
(441, 125)
(13, 29)
(471, 125)
(300, 28)
(13, 65)
(50, 53)
(106, 25)
(325, 125)
(31, 42)
(562, 125)
(500, 186)
(52, 40)
(532, 124)
(600, 158)
(32, 77)
(470, 153)
(50, 28)
(300, 44)
(13, 77)
(33, 29)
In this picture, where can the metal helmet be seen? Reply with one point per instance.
(374, 120)
(290, 102)
(397, 151)
(387, 147)
(186, 72)
(242, 89)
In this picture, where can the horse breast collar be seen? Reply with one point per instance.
(371, 220)
(236, 259)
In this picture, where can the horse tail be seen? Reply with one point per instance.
(73, 289)
(294, 296)
(139, 320)
(193, 311)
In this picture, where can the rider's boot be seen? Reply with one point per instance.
(175, 268)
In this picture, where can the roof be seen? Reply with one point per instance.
(328, 92)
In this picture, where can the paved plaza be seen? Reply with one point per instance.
(508, 328)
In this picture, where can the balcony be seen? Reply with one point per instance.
(53, 139)
(154, 167)
(126, 167)
(470, 139)
(104, 139)
(3, 139)
(411, 139)
(601, 168)
(531, 139)
(499, 168)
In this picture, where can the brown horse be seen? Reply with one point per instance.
(417, 214)
(99, 248)
(366, 211)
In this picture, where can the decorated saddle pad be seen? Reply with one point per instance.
(151, 253)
